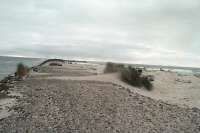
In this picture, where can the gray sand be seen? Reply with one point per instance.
(50, 105)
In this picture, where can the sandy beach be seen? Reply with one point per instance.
(80, 98)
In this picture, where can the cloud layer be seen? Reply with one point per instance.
(163, 32)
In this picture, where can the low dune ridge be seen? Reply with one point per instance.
(166, 88)
(80, 98)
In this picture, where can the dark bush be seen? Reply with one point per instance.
(131, 76)
(146, 83)
(120, 66)
(22, 70)
(55, 64)
(110, 68)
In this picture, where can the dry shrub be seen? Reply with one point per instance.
(146, 83)
(22, 70)
(110, 68)
(28, 69)
(55, 64)
(131, 76)
(120, 66)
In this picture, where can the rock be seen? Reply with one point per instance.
(16, 108)
(35, 117)
(19, 78)
(4, 87)
(17, 97)
(4, 80)
(11, 77)
(35, 69)
(13, 131)
(179, 74)
(23, 78)
(183, 81)
(11, 86)
(13, 82)
(161, 69)
(94, 69)
(195, 109)
(197, 75)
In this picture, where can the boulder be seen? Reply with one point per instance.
(4, 80)
(4, 87)
(35, 68)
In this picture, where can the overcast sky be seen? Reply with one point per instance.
(164, 32)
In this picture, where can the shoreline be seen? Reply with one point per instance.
(52, 80)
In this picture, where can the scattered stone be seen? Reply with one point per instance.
(196, 110)
(35, 68)
(13, 82)
(197, 75)
(180, 74)
(94, 69)
(4, 87)
(183, 81)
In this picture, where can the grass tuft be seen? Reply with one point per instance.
(113, 67)
(110, 68)
(22, 70)
(146, 83)
(131, 76)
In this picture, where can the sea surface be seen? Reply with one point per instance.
(8, 65)
(178, 69)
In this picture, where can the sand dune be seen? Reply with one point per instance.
(166, 86)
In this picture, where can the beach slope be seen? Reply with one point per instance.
(67, 98)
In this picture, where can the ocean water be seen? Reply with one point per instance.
(8, 65)
(178, 69)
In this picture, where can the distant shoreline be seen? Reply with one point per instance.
(42, 60)
(82, 96)
(101, 62)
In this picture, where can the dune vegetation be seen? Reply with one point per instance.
(129, 75)
(22, 70)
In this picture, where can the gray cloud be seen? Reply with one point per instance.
(141, 31)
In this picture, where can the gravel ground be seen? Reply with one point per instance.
(89, 106)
